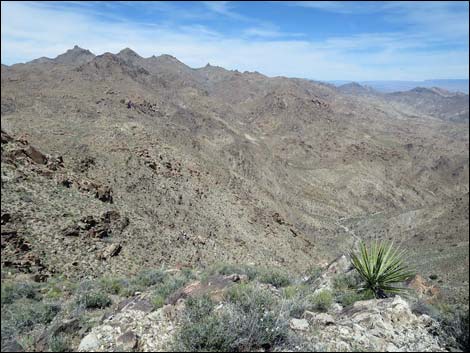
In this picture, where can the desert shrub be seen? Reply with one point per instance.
(167, 287)
(290, 292)
(252, 318)
(458, 327)
(158, 301)
(13, 291)
(275, 277)
(420, 307)
(297, 306)
(59, 343)
(349, 297)
(129, 288)
(24, 314)
(346, 281)
(453, 322)
(296, 300)
(228, 269)
(59, 287)
(313, 273)
(381, 268)
(149, 278)
(112, 285)
(321, 301)
(93, 299)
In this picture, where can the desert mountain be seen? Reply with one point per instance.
(435, 102)
(207, 165)
(356, 88)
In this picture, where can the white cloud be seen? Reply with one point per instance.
(30, 31)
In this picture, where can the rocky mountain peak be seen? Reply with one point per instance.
(75, 56)
(128, 53)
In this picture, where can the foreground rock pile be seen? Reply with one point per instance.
(371, 325)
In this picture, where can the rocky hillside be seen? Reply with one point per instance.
(148, 162)
(225, 308)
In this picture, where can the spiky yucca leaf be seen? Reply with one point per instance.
(381, 268)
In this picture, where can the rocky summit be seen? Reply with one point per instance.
(115, 165)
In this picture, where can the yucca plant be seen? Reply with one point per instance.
(381, 268)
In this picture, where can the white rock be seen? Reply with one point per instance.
(89, 343)
(299, 324)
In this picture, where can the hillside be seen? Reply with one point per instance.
(209, 165)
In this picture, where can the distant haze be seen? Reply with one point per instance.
(456, 85)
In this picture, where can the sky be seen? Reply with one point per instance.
(321, 40)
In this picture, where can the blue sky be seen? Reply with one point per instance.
(324, 40)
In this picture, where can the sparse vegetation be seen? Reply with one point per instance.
(251, 319)
(349, 297)
(275, 277)
(227, 269)
(313, 273)
(381, 268)
(13, 291)
(24, 313)
(59, 343)
(112, 285)
(322, 300)
(94, 299)
(453, 321)
(149, 278)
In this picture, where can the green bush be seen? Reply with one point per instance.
(149, 278)
(24, 314)
(112, 285)
(313, 273)
(290, 292)
(453, 322)
(251, 319)
(168, 286)
(346, 281)
(14, 291)
(321, 301)
(94, 300)
(275, 277)
(158, 301)
(349, 297)
(228, 269)
(59, 343)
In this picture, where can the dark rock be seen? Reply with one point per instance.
(6, 217)
(104, 193)
(100, 231)
(71, 231)
(35, 155)
(128, 340)
(5, 138)
(137, 304)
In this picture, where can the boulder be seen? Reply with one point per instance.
(319, 318)
(35, 155)
(89, 343)
(299, 324)
(128, 340)
(110, 251)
